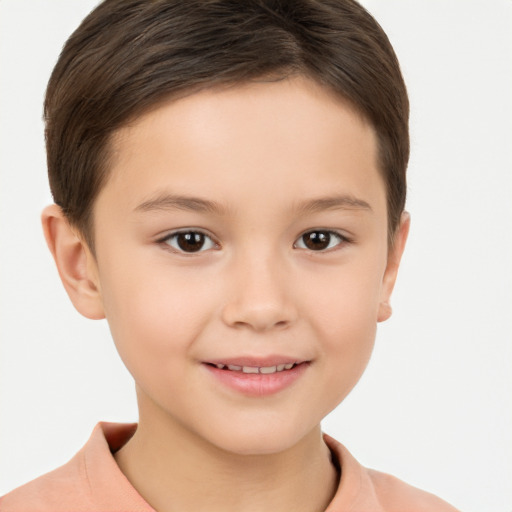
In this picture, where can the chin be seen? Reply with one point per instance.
(254, 439)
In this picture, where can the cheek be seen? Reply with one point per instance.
(349, 340)
(349, 335)
(154, 317)
(345, 299)
(344, 317)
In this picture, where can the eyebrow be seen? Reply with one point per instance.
(179, 202)
(197, 204)
(339, 202)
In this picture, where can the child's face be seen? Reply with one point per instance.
(282, 258)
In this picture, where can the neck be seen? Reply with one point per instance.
(175, 470)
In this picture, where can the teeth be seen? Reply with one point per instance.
(255, 369)
(250, 369)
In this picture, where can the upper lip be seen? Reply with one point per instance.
(256, 362)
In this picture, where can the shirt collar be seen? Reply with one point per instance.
(113, 491)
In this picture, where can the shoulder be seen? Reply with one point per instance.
(366, 490)
(394, 495)
(91, 480)
(55, 491)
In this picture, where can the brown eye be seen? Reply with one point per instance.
(319, 240)
(190, 241)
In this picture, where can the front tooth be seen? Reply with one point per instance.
(268, 369)
(234, 367)
(280, 367)
(250, 369)
(288, 366)
(219, 366)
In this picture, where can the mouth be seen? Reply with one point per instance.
(252, 369)
(257, 377)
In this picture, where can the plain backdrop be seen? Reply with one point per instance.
(434, 407)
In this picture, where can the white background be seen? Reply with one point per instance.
(434, 407)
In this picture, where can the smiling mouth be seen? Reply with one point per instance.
(257, 377)
(256, 369)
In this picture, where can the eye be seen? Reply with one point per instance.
(319, 240)
(189, 241)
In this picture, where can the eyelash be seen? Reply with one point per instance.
(325, 234)
(174, 236)
(341, 239)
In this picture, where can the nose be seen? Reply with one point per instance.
(259, 295)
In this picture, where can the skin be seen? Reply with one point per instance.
(277, 161)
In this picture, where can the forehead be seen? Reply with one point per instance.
(291, 136)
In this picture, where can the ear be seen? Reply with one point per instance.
(394, 257)
(75, 263)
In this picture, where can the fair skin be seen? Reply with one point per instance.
(287, 261)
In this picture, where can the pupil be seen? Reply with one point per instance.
(317, 240)
(190, 242)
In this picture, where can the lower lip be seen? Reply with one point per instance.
(258, 384)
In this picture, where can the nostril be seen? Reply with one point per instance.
(258, 314)
(261, 325)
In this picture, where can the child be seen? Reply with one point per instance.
(229, 180)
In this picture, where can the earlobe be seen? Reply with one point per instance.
(393, 263)
(385, 311)
(75, 263)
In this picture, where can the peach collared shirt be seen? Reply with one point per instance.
(92, 481)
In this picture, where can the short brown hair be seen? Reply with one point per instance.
(128, 55)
